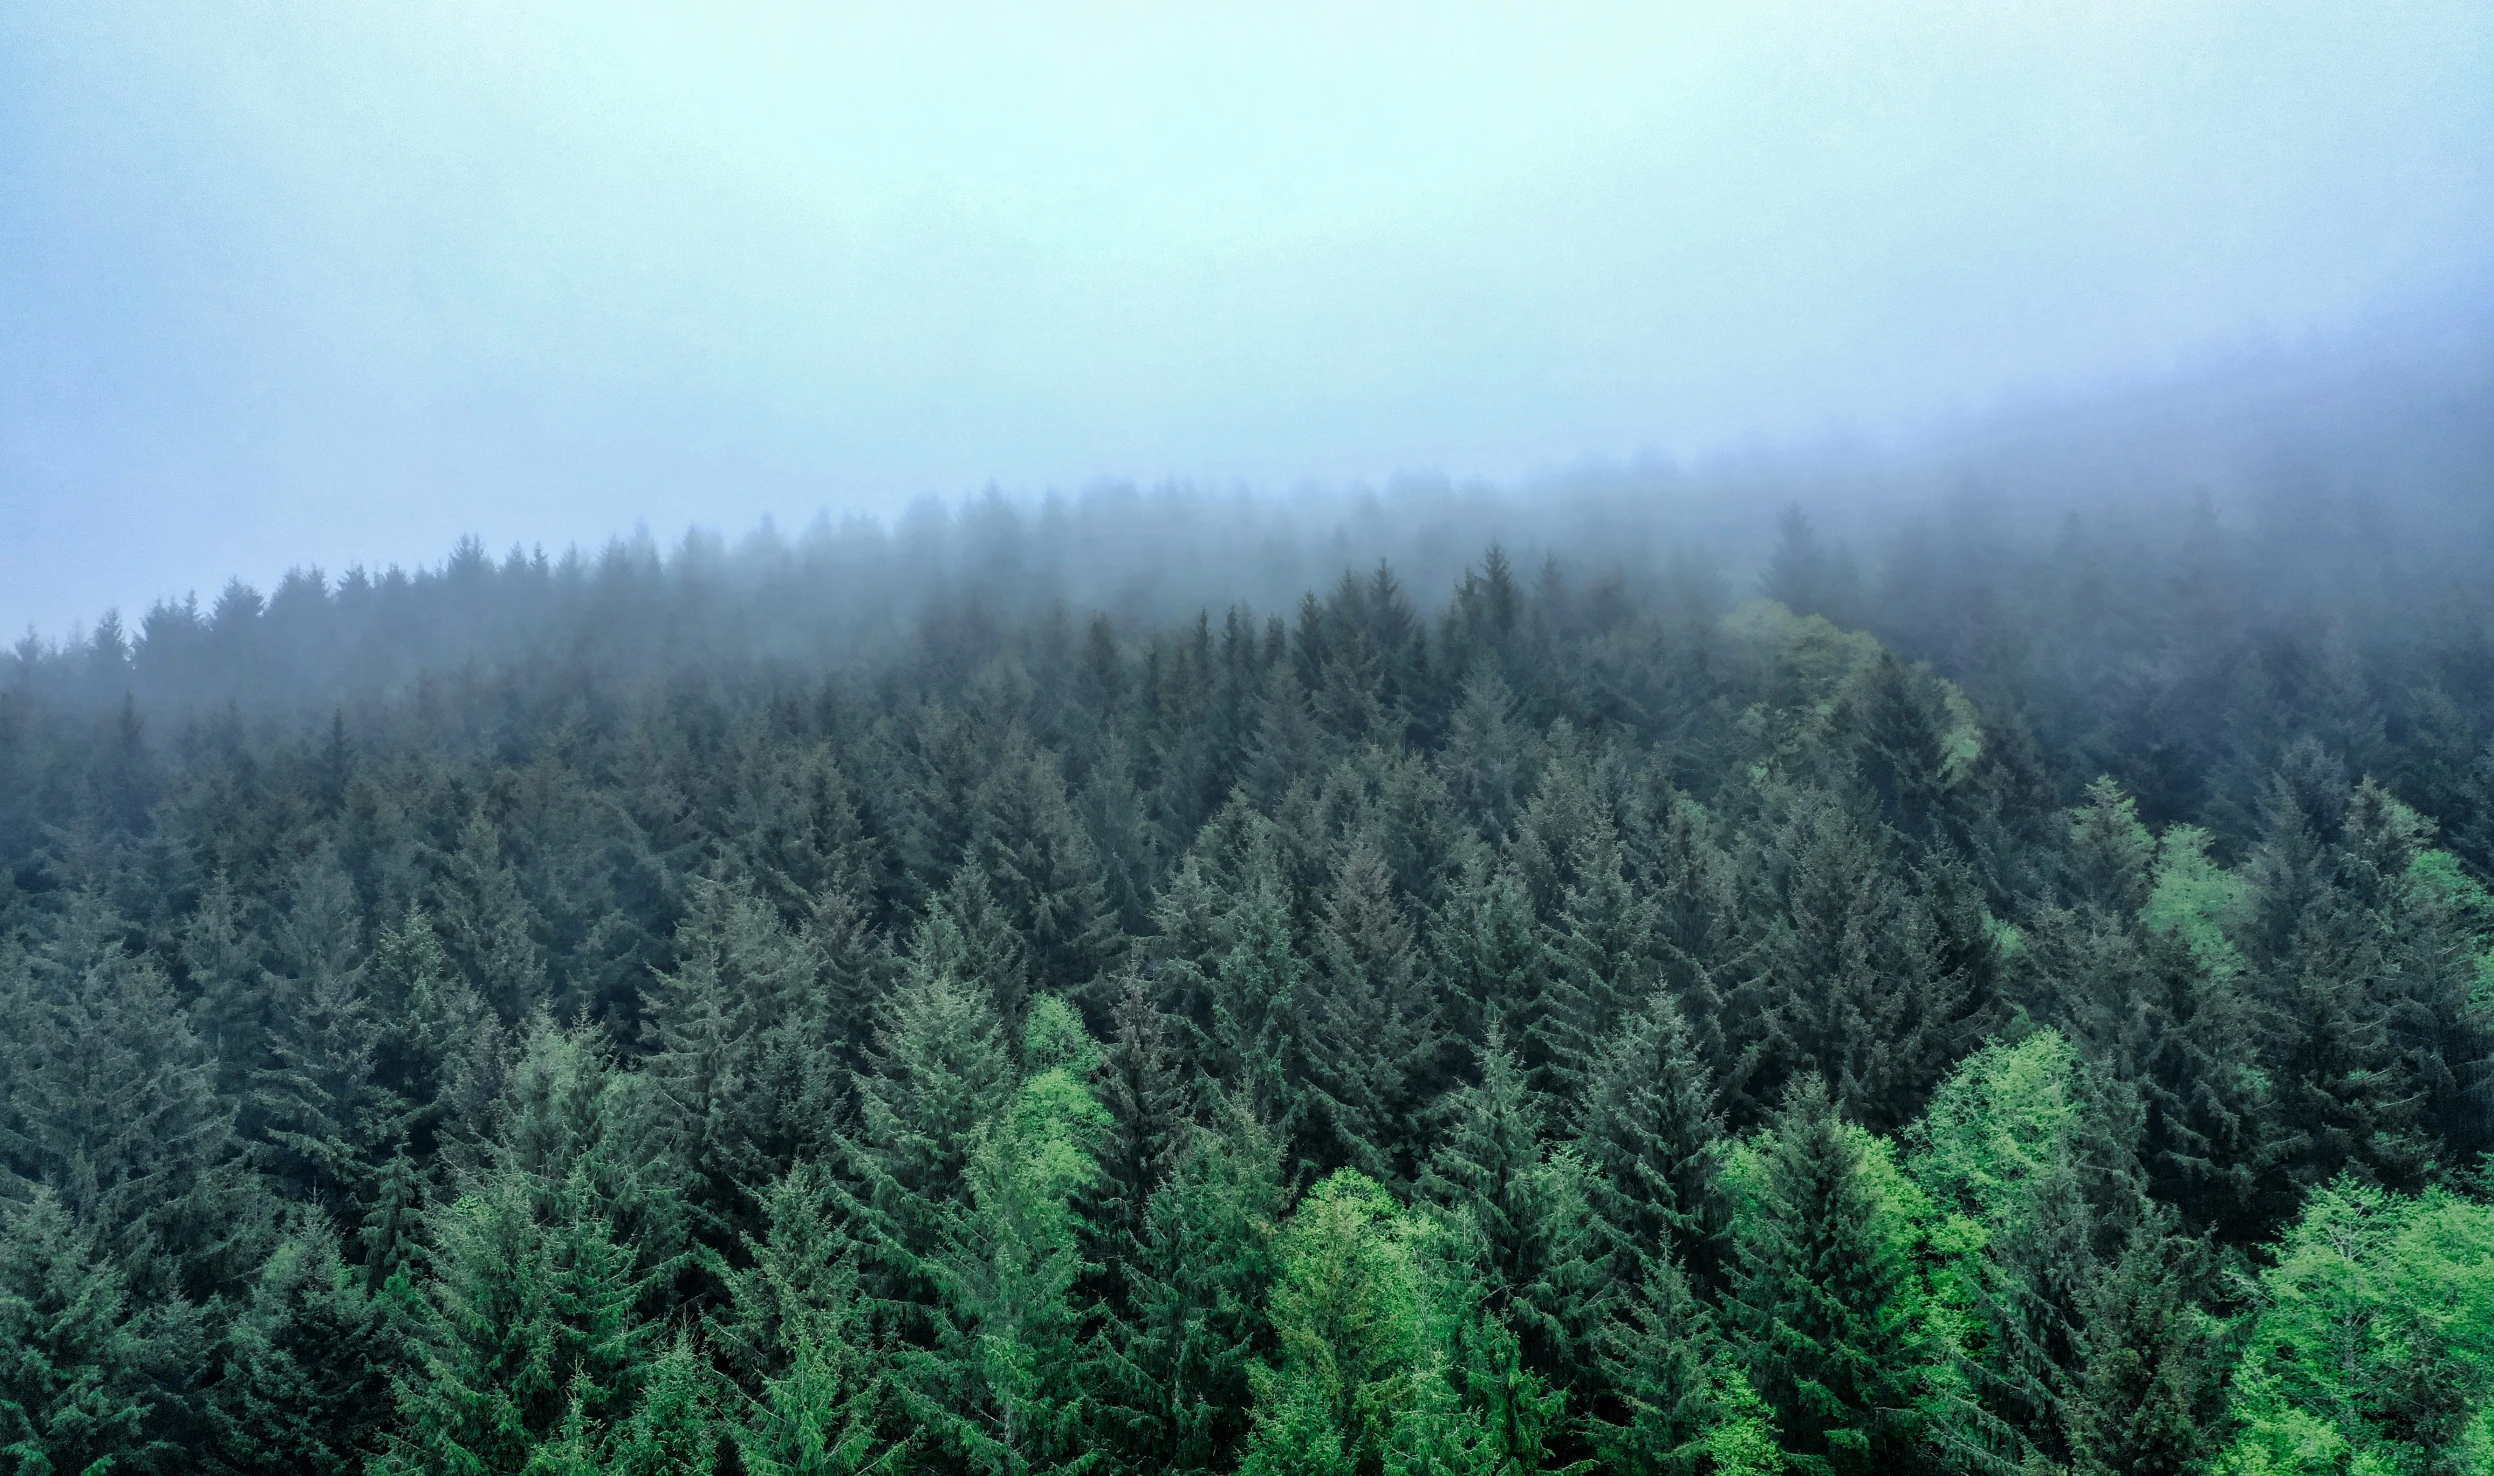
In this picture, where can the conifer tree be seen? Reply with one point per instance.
(76, 1386)
(108, 1101)
(437, 1034)
(939, 1076)
(306, 1367)
(1857, 982)
(1493, 960)
(1601, 968)
(225, 960)
(2319, 933)
(853, 967)
(1523, 1213)
(967, 936)
(1348, 1312)
(1487, 762)
(1045, 875)
(675, 1429)
(1369, 1027)
(1648, 1132)
(2149, 1399)
(1827, 1314)
(737, 1072)
(532, 1331)
(2111, 859)
(1150, 1125)
(1258, 1024)
(1677, 1401)
(996, 1391)
(1170, 1369)
(796, 1336)
(315, 1105)
(486, 924)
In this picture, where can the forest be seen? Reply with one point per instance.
(1925, 992)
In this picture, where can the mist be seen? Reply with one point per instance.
(293, 284)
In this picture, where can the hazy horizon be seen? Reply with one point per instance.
(294, 287)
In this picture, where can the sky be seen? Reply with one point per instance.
(331, 284)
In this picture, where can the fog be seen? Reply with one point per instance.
(303, 285)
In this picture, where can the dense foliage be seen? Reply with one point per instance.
(2024, 1008)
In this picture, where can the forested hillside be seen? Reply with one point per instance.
(1965, 997)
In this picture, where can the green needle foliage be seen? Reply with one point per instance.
(2008, 1013)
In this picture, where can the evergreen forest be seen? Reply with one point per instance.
(1916, 993)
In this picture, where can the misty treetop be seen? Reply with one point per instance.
(1994, 1004)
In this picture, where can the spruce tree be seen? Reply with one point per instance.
(735, 1063)
(108, 1101)
(1601, 968)
(1677, 1404)
(1525, 1222)
(1045, 874)
(530, 1332)
(1827, 1314)
(486, 923)
(1258, 1023)
(1150, 1126)
(1170, 1370)
(1648, 1131)
(997, 1391)
(322, 1119)
(1369, 1025)
(939, 1075)
(77, 1392)
(306, 1368)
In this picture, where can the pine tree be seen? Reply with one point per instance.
(967, 936)
(1899, 749)
(853, 967)
(436, 1033)
(1487, 761)
(2022, 1156)
(2322, 939)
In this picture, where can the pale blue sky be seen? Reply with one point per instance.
(337, 283)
